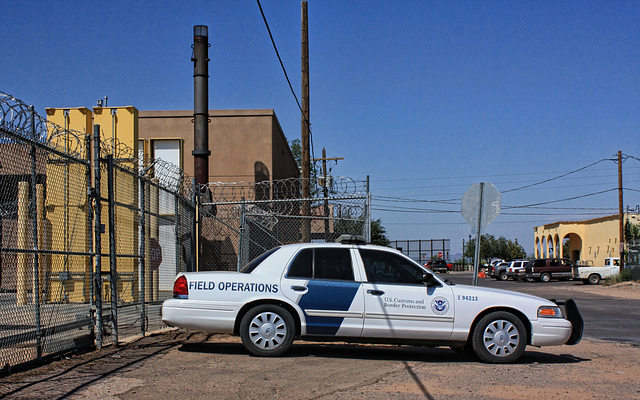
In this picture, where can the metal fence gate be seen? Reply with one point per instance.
(239, 221)
(424, 250)
(91, 237)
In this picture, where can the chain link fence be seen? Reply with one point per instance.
(92, 234)
(90, 241)
(239, 221)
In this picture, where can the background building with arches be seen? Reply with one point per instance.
(589, 241)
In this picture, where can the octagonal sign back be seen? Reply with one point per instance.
(491, 199)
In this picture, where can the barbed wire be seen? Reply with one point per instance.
(22, 121)
(282, 189)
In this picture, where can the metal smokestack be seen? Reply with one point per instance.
(200, 60)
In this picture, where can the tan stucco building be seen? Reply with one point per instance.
(590, 241)
(246, 145)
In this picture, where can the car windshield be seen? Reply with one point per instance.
(253, 264)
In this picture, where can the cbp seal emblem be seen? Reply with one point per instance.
(440, 305)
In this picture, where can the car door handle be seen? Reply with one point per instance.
(375, 292)
(299, 288)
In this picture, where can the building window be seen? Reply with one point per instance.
(167, 172)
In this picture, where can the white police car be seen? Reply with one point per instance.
(354, 292)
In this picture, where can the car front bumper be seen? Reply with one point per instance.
(558, 331)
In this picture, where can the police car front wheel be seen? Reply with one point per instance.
(267, 330)
(499, 337)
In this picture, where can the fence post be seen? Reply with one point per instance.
(23, 215)
(152, 274)
(113, 272)
(195, 230)
(89, 218)
(143, 247)
(36, 254)
(98, 229)
(177, 230)
(241, 244)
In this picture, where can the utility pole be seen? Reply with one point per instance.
(620, 211)
(324, 160)
(304, 143)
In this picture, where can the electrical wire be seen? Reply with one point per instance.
(273, 42)
(556, 177)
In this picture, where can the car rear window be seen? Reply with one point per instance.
(253, 264)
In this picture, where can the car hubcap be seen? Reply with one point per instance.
(501, 338)
(267, 330)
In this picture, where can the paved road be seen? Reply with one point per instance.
(606, 318)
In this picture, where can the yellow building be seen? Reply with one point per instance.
(589, 241)
(67, 216)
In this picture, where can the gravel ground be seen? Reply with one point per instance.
(191, 365)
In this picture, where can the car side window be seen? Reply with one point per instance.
(385, 267)
(322, 263)
(302, 266)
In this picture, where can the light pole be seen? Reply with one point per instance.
(463, 254)
(469, 242)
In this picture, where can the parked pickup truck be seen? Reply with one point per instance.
(593, 275)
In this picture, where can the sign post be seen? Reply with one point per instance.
(480, 206)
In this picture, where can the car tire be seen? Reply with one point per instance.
(545, 277)
(499, 338)
(267, 331)
(503, 276)
(594, 279)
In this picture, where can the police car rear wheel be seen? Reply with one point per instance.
(267, 330)
(499, 337)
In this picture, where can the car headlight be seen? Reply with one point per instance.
(549, 312)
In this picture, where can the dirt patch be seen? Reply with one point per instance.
(624, 290)
(586, 371)
(188, 365)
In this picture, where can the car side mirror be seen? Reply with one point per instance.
(430, 280)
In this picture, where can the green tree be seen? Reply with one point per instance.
(631, 231)
(296, 150)
(379, 233)
(490, 247)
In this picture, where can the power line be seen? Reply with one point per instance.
(556, 177)
(273, 42)
(448, 178)
(561, 200)
(534, 205)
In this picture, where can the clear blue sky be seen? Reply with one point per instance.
(424, 97)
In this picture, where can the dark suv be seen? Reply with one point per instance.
(545, 269)
(437, 265)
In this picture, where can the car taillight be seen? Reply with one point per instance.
(180, 288)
